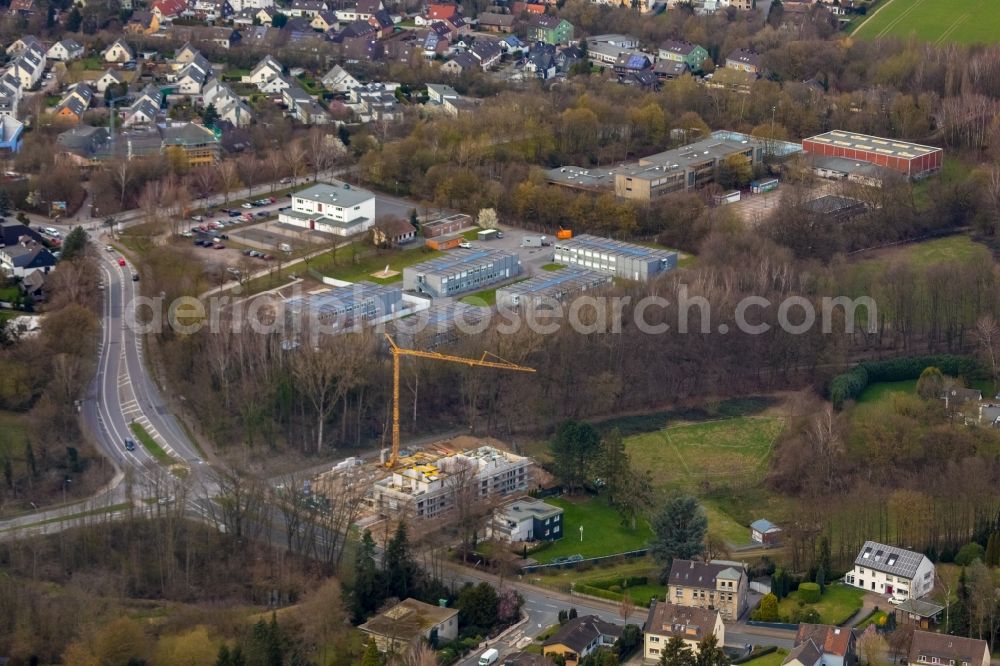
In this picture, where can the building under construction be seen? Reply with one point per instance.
(425, 485)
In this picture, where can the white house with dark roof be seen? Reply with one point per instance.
(66, 50)
(933, 649)
(119, 51)
(898, 572)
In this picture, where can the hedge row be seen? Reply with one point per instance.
(849, 385)
(756, 653)
(597, 592)
(627, 581)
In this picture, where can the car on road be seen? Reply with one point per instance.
(135, 277)
(109, 248)
(130, 445)
(465, 245)
(121, 261)
(234, 213)
(233, 271)
(285, 181)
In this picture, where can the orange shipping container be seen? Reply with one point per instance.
(564, 234)
(444, 243)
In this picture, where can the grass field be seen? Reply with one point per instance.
(837, 605)
(351, 270)
(727, 452)
(603, 532)
(936, 21)
(553, 267)
(882, 390)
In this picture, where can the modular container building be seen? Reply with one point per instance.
(460, 271)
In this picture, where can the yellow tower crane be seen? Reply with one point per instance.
(398, 351)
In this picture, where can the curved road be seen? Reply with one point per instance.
(122, 394)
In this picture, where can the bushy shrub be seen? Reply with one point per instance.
(809, 592)
(849, 385)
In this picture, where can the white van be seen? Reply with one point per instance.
(489, 657)
(52, 232)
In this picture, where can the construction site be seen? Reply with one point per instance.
(427, 483)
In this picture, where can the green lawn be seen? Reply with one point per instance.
(553, 267)
(603, 532)
(772, 659)
(725, 452)
(9, 293)
(356, 269)
(724, 526)
(471, 234)
(150, 444)
(837, 605)
(484, 298)
(937, 21)
(880, 391)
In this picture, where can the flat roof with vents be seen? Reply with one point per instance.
(892, 147)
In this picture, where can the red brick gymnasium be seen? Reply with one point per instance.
(911, 159)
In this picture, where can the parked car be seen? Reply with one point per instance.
(247, 205)
(233, 271)
(466, 245)
(198, 218)
(263, 214)
(218, 246)
(234, 213)
(267, 257)
(285, 181)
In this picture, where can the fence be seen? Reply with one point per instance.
(590, 560)
(773, 625)
(760, 587)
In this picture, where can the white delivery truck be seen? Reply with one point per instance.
(534, 241)
(489, 657)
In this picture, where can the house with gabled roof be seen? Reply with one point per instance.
(306, 8)
(679, 50)
(500, 23)
(719, 584)
(897, 572)
(822, 645)
(142, 22)
(168, 10)
(25, 43)
(692, 625)
(461, 63)
(263, 71)
(581, 637)
(339, 80)
(118, 51)
(111, 77)
(486, 51)
(932, 649)
(65, 50)
(745, 60)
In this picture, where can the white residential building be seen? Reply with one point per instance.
(109, 78)
(425, 490)
(265, 70)
(119, 51)
(897, 572)
(339, 80)
(337, 208)
(66, 50)
(527, 519)
(253, 5)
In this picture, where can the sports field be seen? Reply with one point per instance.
(935, 21)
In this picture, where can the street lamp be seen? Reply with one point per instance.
(581, 532)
